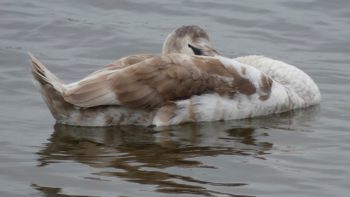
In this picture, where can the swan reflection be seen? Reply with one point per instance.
(141, 155)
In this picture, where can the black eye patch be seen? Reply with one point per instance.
(195, 50)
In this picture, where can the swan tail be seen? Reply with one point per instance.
(51, 89)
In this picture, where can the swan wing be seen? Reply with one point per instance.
(152, 82)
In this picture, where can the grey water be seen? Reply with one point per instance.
(301, 153)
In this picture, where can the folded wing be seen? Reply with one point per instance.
(152, 82)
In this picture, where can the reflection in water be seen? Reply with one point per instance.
(52, 191)
(140, 155)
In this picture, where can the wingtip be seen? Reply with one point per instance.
(37, 66)
(31, 56)
(35, 62)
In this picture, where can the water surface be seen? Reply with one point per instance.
(302, 153)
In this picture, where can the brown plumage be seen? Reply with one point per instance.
(126, 61)
(191, 40)
(152, 82)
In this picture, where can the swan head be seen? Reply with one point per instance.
(191, 40)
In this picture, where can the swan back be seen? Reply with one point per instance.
(287, 75)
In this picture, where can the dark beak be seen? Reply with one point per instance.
(207, 51)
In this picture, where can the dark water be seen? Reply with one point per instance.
(305, 153)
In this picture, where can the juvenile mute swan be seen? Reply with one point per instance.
(189, 82)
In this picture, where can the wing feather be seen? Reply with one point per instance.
(151, 82)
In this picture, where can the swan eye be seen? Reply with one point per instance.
(195, 50)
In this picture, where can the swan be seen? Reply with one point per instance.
(189, 82)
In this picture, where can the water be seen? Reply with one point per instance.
(305, 153)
